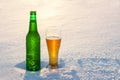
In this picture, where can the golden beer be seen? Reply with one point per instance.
(53, 44)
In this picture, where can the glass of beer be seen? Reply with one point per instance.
(53, 40)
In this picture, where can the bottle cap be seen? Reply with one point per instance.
(32, 12)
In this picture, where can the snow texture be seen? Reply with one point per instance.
(90, 46)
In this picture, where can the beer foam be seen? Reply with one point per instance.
(53, 37)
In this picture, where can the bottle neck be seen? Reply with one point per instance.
(33, 21)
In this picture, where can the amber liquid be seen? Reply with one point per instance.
(53, 44)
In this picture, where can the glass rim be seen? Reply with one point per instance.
(53, 32)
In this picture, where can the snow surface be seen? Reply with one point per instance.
(90, 47)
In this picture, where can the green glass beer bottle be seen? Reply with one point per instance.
(33, 45)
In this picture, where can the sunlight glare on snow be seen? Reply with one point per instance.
(46, 7)
(47, 12)
(32, 2)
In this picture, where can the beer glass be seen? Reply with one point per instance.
(53, 40)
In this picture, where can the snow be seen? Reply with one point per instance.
(90, 46)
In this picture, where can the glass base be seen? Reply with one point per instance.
(52, 67)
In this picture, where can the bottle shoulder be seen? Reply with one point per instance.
(33, 34)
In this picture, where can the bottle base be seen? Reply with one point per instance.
(32, 69)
